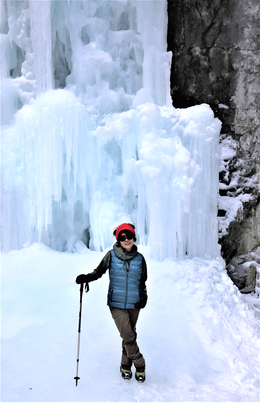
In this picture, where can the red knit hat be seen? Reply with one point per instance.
(126, 227)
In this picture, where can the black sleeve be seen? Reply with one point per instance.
(102, 267)
(143, 278)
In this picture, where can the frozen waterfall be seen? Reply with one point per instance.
(89, 134)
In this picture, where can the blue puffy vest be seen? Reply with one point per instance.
(124, 286)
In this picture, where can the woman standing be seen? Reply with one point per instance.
(126, 294)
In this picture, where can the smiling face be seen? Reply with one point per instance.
(126, 244)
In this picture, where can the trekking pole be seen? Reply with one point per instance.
(79, 328)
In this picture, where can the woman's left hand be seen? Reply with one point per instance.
(142, 303)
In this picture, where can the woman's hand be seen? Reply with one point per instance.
(83, 278)
(141, 304)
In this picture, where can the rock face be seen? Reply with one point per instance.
(216, 59)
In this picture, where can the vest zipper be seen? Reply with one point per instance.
(126, 286)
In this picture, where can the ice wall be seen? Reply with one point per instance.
(89, 136)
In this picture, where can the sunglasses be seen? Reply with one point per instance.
(128, 236)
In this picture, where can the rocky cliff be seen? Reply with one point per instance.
(216, 59)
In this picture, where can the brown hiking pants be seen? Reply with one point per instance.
(125, 320)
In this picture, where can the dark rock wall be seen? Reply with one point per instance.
(216, 60)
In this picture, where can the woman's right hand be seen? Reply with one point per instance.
(83, 278)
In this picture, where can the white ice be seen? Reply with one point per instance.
(106, 144)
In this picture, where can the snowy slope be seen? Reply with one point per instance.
(199, 335)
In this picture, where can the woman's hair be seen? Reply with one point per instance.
(124, 230)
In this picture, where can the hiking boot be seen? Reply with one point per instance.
(140, 374)
(126, 372)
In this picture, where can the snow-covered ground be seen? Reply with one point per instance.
(199, 335)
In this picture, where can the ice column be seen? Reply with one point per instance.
(156, 65)
(41, 42)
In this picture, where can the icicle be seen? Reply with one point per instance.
(41, 41)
